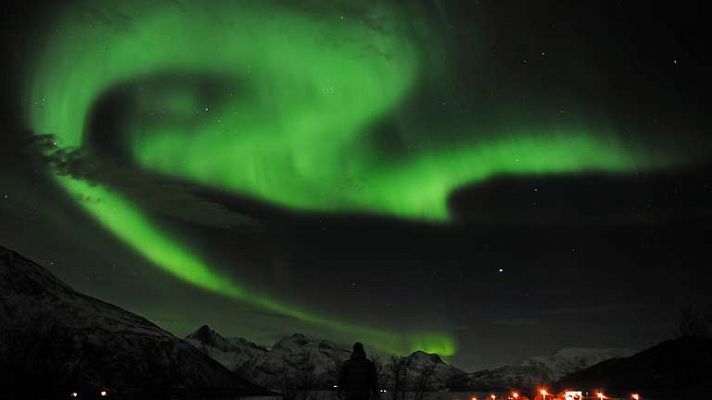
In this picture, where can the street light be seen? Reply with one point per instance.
(543, 394)
(493, 396)
(516, 395)
(635, 396)
(600, 395)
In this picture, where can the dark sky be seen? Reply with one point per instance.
(526, 264)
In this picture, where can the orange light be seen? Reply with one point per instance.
(493, 396)
(635, 396)
(543, 392)
(516, 395)
(600, 395)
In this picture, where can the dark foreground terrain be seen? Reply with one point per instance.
(55, 341)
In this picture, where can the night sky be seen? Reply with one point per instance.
(488, 180)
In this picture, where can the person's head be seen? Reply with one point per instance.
(358, 350)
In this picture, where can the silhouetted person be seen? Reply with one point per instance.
(358, 379)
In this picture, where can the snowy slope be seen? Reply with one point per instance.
(305, 361)
(293, 359)
(298, 355)
(440, 373)
(543, 369)
(53, 335)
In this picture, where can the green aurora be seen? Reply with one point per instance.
(300, 96)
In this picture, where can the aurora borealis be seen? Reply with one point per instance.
(294, 127)
(328, 109)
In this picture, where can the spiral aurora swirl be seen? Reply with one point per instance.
(288, 120)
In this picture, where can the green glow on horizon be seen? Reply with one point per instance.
(301, 92)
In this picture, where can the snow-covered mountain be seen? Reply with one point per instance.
(300, 361)
(428, 370)
(56, 340)
(307, 362)
(543, 369)
(293, 360)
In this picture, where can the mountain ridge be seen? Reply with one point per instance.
(262, 364)
(66, 340)
(676, 368)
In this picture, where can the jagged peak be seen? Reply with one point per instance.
(239, 341)
(420, 355)
(205, 331)
(293, 340)
(210, 337)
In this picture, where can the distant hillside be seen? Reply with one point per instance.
(540, 370)
(54, 340)
(674, 369)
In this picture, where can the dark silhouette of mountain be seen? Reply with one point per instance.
(54, 341)
(675, 369)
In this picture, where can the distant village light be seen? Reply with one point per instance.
(543, 393)
(103, 393)
(635, 396)
(74, 394)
